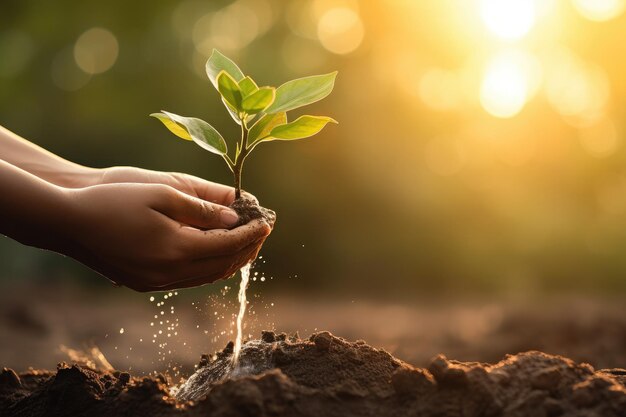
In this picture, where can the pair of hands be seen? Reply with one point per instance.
(154, 231)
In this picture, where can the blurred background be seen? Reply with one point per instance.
(477, 178)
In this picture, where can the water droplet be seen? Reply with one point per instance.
(122, 330)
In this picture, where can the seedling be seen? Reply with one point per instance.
(260, 111)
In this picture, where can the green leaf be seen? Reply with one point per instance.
(302, 91)
(302, 127)
(258, 101)
(202, 133)
(248, 86)
(217, 63)
(262, 128)
(173, 127)
(232, 112)
(229, 89)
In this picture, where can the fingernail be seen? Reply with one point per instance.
(229, 217)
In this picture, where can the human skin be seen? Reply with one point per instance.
(147, 230)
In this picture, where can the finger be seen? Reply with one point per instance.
(193, 211)
(200, 244)
(207, 190)
(208, 271)
(212, 191)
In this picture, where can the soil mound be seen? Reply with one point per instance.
(324, 376)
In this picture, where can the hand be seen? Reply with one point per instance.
(188, 184)
(152, 237)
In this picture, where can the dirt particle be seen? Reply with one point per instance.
(410, 381)
(228, 349)
(204, 361)
(268, 336)
(124, 378)
(9, 379)
(447, 373)
(438, 366)
(546, 379)
(322, 341)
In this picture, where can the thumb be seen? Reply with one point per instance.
(195, 212)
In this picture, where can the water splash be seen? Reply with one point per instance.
(245, 277)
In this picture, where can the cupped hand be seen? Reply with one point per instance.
(188, 184)
(152, 237)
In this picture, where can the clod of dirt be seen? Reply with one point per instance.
(249, 209)
(325, 376)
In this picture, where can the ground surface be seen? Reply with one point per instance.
(35, 323)
(326, 376)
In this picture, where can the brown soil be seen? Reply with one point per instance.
(324, 376)
(249, 209)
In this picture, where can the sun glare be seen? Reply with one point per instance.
(508, 19)
(600, 10)
(507, 84)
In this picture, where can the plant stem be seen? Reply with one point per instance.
(238, 167)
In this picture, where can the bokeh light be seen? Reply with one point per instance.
(508, 19)
(600, 10)
(96, 51)
(232, 27)
(301, 19)
(578, 90)
(340, 30)
(508, 83)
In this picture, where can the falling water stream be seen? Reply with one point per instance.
(245, 277)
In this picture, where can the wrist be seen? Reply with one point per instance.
(34, 211)
(67, 221)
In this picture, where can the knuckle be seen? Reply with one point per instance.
(165, 190)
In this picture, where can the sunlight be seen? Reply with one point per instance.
(600, 10)
(508, 19)
(340, 30)
(507, 84)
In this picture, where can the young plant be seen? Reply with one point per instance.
(260, 111)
